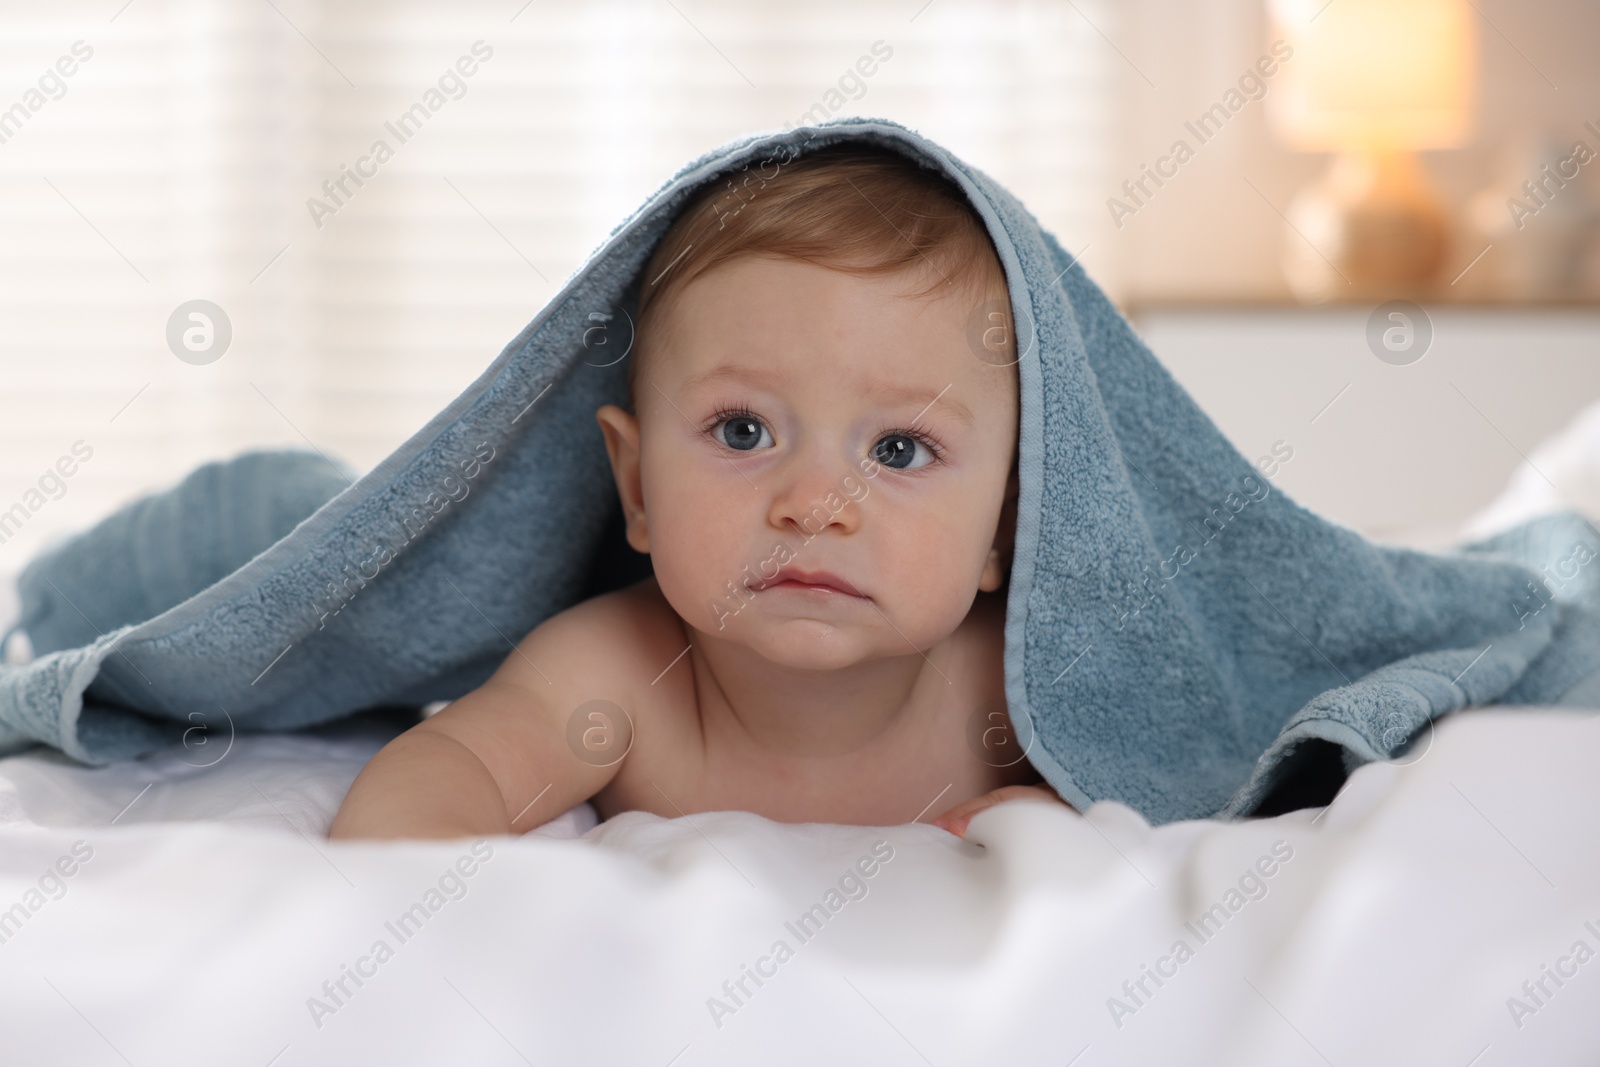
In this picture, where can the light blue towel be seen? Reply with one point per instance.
(1180, 636)
(164, 548)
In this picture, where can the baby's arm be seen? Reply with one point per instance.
(477, 766)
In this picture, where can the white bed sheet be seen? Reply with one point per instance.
(267, 780)
(212, 911)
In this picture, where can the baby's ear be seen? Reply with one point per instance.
(621, 431)
(998, 565)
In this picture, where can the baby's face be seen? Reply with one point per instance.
(799, 427)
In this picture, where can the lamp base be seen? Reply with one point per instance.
(1371, 227)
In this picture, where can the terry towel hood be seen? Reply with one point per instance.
(1179, 632)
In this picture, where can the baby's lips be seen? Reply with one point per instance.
(825, 578)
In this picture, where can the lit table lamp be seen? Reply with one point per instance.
(1374, 81)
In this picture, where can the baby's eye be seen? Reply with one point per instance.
(744, 433)
(902, 452)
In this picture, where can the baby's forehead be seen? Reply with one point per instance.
(786, 327)
(866, 383)
(871, 329)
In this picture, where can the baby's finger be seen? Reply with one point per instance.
(956, 819)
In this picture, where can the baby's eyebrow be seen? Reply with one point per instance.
(926, 398)
(731, 373)
(884, 391)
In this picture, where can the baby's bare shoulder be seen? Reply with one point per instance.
(618, 647)
(619, 636)
(554, 697)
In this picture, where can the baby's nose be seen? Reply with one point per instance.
(814, 498)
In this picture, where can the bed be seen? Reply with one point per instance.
(185, 907)
(1425, 916)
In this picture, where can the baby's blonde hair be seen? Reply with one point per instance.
(851, 207)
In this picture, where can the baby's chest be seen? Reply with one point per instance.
(676, 773)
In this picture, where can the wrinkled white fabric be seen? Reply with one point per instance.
(212, 913)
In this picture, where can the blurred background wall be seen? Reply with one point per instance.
(1208, 236)
(196, 151)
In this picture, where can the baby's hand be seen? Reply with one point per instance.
(956, 819)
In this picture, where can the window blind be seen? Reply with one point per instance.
(230, 153)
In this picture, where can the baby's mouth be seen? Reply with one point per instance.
(813, 583)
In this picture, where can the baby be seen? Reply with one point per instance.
(820, 461)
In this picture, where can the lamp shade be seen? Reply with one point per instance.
(1375, 75)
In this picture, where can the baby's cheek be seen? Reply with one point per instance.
(928, 578)
(696, 551)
